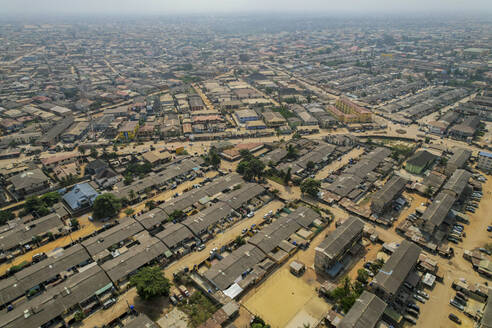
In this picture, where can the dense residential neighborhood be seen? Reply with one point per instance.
(245, 171)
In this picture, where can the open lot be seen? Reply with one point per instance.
(284, 297)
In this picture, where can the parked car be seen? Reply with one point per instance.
(484, 250)
(250, 214)
(201, 247)
(423, 294)
(419, 298)
(173, 300)
(414, 306)
(454, 318)
(410, 319)
(184, 291)
(456, 305)
(489, 228)
(412, 312)
(109, 303)
(453, 240)
(39, 257)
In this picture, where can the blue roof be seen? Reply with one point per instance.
(483, 153)
(82, 195)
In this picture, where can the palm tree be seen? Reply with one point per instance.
(131, 194)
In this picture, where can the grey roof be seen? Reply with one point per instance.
(208, 217)
(458, 181)
(225, 272)
(152, 218)
(459, 159)
(274, 156)
(134, 258)
(365, 313)
(237, 198)
(271, 236)
(56, 300)
(337, 240)
(56, 130)
(142, 321)
(126, 228)
(439, 208)
(344, 184)
(398, 266)
(487, 313)
(183, 201)
(390, 190)
(421, 158)
(28, 179)
(23, 233)
(174, 234)
(14, 287)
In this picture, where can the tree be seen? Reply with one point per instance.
(6, 216)
(51, 198)
(74, 222)
(288, 176)
(176, 215)
(150, 282)
(213, 158)
(150, 204)
(94, 152)
(128, 179)
(310, 165)
(129, 211)
(132, 195)
(250, 167)
(311, 187)
(106, 206)
(428, 191)
(79, 316)
(82, 149)
(362, 275)
(291, 152)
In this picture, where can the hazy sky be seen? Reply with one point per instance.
(207, 6)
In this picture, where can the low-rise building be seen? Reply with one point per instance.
(485, 161)
(365, 313)
(395, 271)
(331, 251)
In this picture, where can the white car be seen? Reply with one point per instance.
(250, 214)
(423, 294)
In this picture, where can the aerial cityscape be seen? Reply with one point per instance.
(245, 170)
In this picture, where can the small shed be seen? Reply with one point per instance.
(297, 268)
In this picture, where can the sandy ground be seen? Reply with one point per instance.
(284, 300)
(282, 297)
(155, 311)
(437, 308)
(86, 228)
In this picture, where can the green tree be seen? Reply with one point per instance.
(311, 187)
(94, 152)
(310, 165)
(176, 215)
(291, 152)
(150, 282)
(362, 275)
(156, 106)
(129, 211)
(132, 195)
(79, 316)
(150, 204)
(51, 198)
(288, 175)
(106, 206)
(213, 158)
(250, 167)
(6, 216)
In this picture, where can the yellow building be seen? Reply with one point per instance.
(128, 130)
(350, 112)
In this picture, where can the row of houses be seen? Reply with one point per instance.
(249, 263)
(90, 270)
